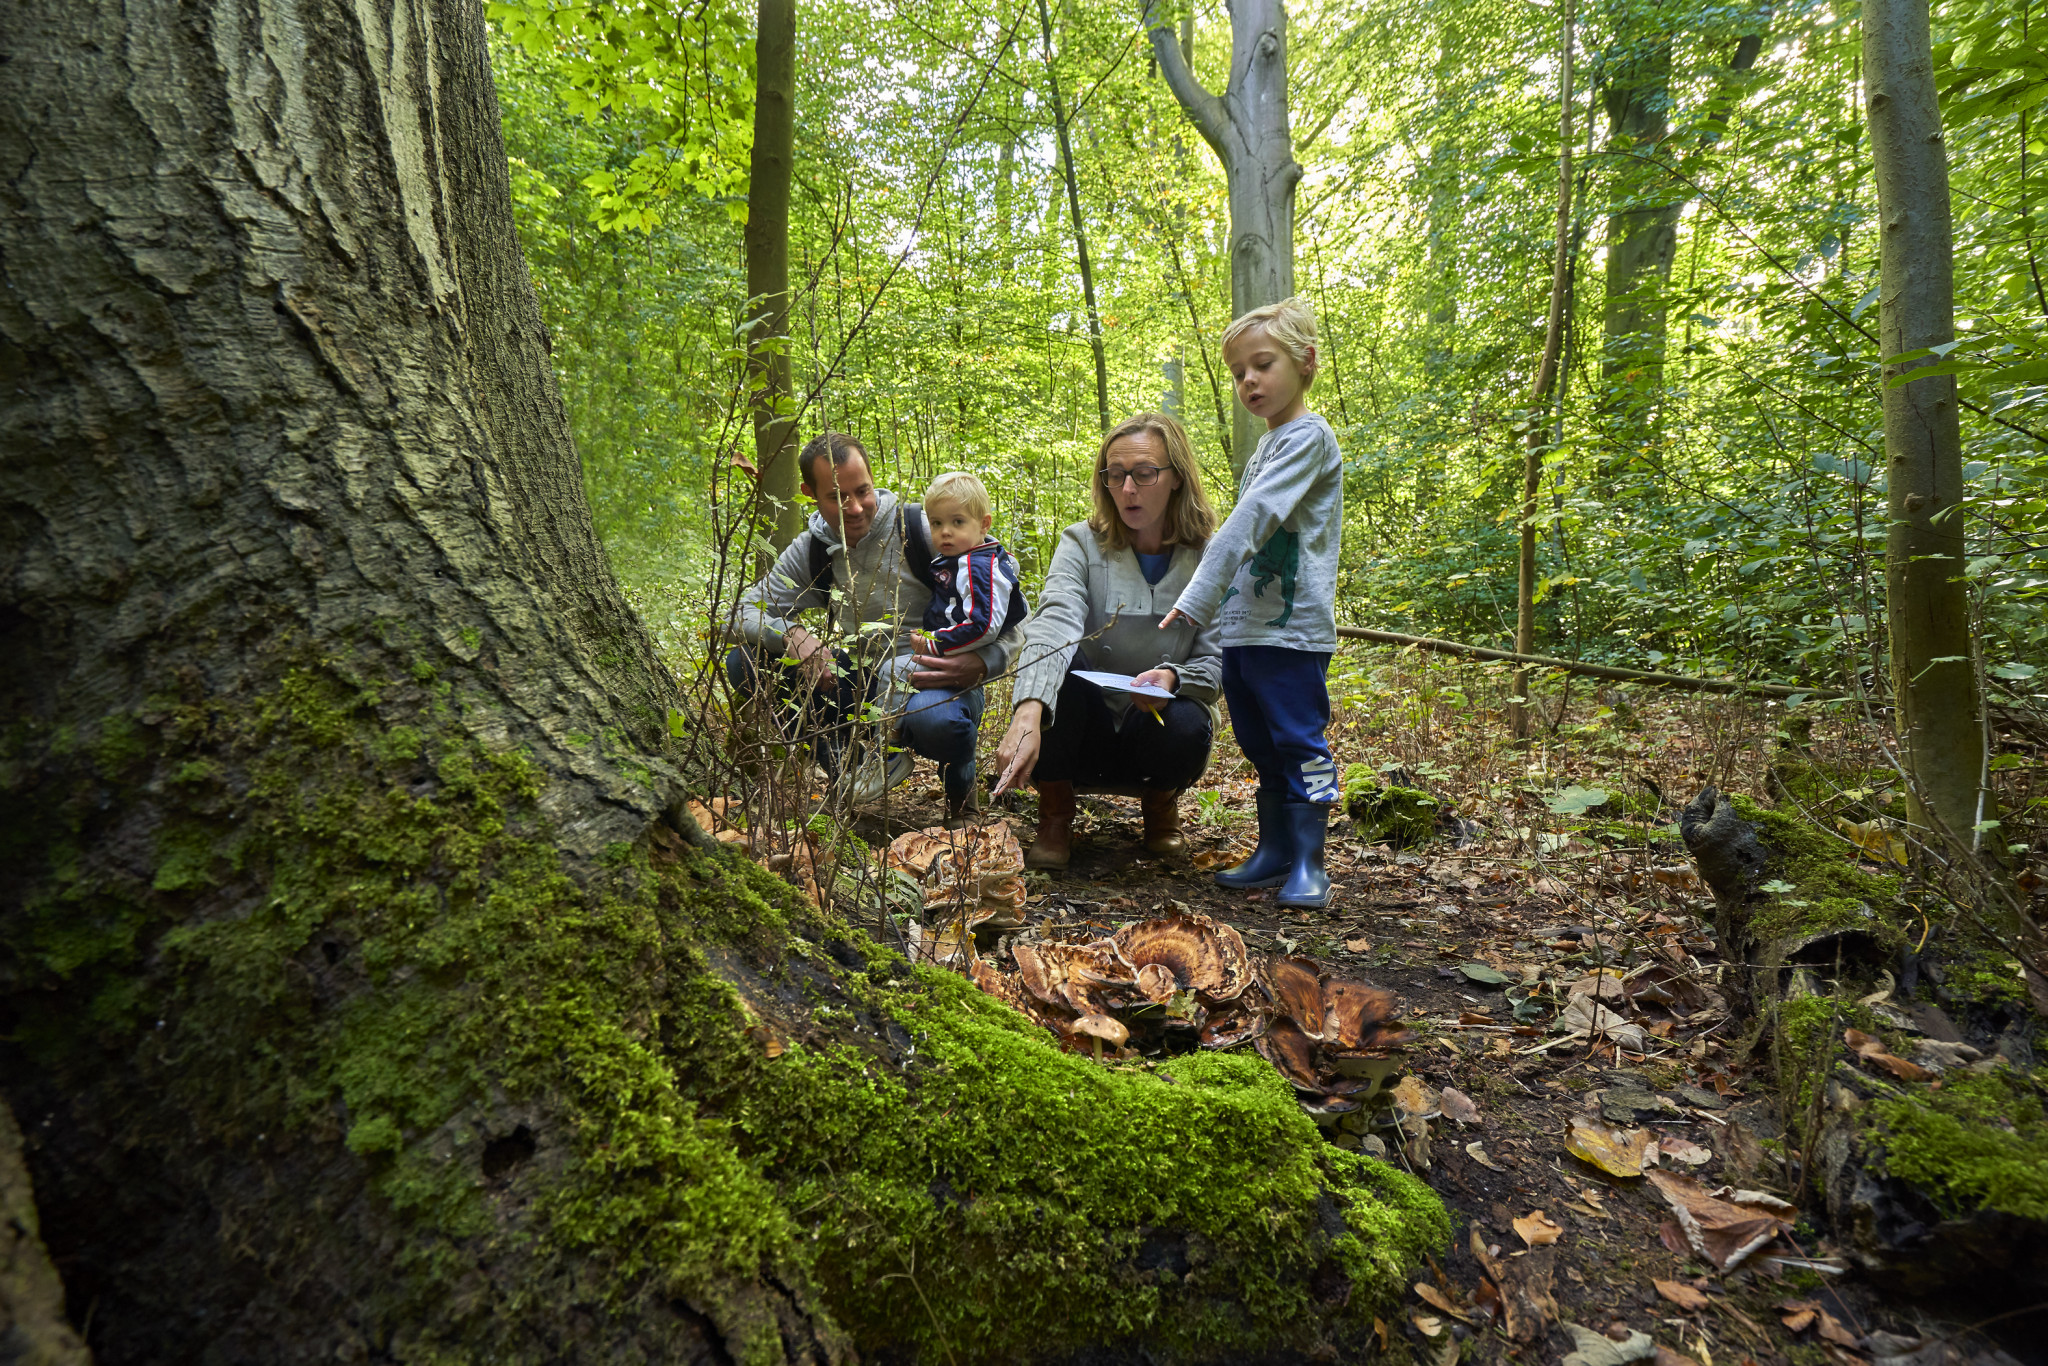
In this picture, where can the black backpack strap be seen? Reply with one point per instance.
(917, 547)
(821, 576)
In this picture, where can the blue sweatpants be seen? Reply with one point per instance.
(1279, 708)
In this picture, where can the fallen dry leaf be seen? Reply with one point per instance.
(1872, 1050)
(1618, 1152)
(1684, 1150)
(1537, 1229)
(1416, 1098)
(1211, 858)
(1799, 1315)
(1682, 1295)
(1666, 1357)
(1594, 1348)
(1724, 1231)
(1436, 1299)
(1358, 945)
(1477, 1152)
(1458, 1106)
(1428, 1323)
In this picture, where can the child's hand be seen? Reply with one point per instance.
(1175, 617)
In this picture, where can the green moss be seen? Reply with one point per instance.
(1979, 1143)
(1817, 884)
(1401, 816)
(394, 951)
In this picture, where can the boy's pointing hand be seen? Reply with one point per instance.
(1176, 617)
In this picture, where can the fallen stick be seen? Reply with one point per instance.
(1615, 673)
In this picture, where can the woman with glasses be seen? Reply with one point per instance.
(1112, 579)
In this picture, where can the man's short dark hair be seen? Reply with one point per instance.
(838, 445)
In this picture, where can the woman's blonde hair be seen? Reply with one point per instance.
(1190, 521)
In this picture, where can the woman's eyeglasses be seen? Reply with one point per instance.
(1144, 476)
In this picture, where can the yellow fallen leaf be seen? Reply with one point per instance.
(1618, 1152)
(1428, 1323)
(1877, 842)
(1358, 945)
(1538, 1229)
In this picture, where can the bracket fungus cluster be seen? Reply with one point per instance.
(1185, 979)
(1336, 1040)
(972, 879)
(1177, 978)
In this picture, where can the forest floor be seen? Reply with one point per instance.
(1515, 901)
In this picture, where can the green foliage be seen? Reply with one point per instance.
(1817, 883)
(1382, 810)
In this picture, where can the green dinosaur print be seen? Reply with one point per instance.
(1280, 556)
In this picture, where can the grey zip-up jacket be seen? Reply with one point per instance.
(875, 581)
(1097, 612)
(1269, 575)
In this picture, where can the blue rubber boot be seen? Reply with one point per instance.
(1308, 826)
(1269, 863)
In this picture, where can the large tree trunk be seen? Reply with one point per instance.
(1066, 141)
(767, 248)
(1940, 714)
(1247, 128)
(365, 991)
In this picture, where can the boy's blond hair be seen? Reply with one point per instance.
(1291, 324)
(958, 486)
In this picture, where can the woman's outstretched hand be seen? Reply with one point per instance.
(1018, 753)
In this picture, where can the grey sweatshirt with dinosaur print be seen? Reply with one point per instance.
(1269, 575)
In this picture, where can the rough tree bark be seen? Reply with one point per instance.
(1940, 710)
(1059, 118)
(1247, 128)
(767, 251)
(1642, 241)
(1539, 392)
(364, 991)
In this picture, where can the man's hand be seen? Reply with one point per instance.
(953, 672)
(1161, 677)
(813, 660)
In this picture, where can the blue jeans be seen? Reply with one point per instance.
(936, 723)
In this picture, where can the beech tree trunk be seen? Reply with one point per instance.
(365, 991)
(1247, 128)
(1940, 712)
(767, 250)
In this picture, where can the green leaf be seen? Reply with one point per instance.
(1486, 976)
(1576, 801)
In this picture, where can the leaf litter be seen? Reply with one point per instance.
(1558, 985)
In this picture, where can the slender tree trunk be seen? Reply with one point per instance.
(1940, 714)
(1539, 392)
(370, 994)
(767, 251)
(1059, 118)
(1247, 128)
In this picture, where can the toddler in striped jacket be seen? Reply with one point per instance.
(977, 597)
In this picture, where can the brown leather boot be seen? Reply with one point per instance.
(1053, 845)
(1162, 822)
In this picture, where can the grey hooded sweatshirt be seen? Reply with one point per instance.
(874, 581)
(1269, 575)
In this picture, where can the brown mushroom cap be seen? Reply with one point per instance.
(1353, 1011)
(1297, 985)
(1287, 1048)
(1107, 1028)
(1204, 956)
(1068, 976)
(1008, 988)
